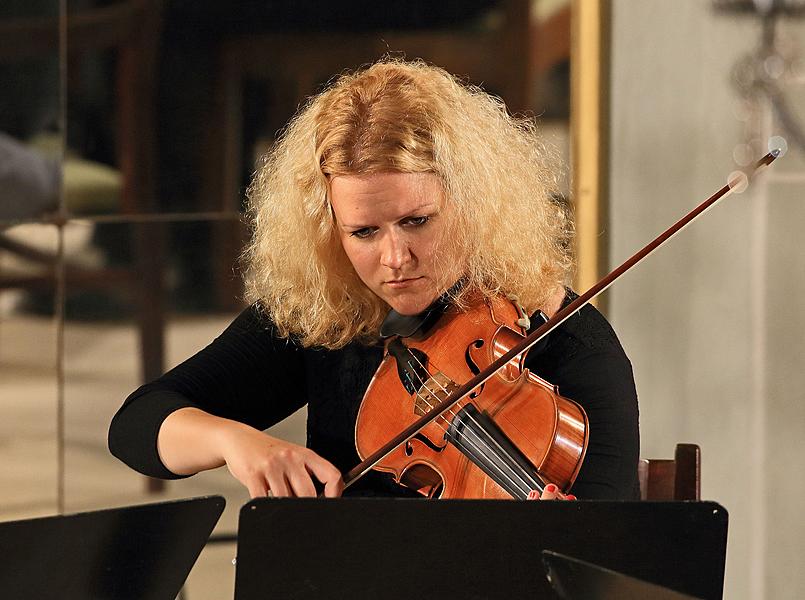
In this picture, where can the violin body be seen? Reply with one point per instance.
(511, 431)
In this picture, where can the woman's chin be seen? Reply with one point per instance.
(409, 305)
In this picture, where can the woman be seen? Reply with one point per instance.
(386, 190)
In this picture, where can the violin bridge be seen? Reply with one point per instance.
(433, 391)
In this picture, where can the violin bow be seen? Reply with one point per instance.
(736, 183)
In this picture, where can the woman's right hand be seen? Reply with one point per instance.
(191, 440)
(269, 466)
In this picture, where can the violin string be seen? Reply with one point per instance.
(469, 446)
(494, 454)
(464, 447)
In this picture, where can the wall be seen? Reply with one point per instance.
(712, 321)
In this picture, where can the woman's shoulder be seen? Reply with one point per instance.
(255, 326)
(253, 319)
(586, 332)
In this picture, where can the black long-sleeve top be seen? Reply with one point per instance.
(251, 375)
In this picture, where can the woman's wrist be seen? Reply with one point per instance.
(191, 440)
(226, 433)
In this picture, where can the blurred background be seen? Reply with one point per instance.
(129, 130)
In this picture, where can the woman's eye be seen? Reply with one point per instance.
(362, 234)
(416, 221)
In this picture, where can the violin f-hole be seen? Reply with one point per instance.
(409, 448)
(473, 367)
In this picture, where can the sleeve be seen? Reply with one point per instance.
(604, 386)
(594, 371)
(247, 374)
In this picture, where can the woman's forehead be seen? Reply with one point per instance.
(384, 194)
(376, 184)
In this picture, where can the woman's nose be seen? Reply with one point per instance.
(395, 252)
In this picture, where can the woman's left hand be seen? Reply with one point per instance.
(551, 492)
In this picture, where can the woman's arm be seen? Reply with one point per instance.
(211, 410)
(191, 440)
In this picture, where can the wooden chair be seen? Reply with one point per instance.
(672, 479)
(130, 30)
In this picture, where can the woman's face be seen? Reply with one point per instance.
(390, 226)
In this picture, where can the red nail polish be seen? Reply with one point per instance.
(571, 497)
(550, 488)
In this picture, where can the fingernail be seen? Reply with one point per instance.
(550, 488)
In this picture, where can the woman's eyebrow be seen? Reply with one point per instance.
(427, 206)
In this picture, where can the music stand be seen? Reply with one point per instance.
(395, 548)
(574, 579)
(138, 552)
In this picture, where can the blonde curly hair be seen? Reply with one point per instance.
(407, 117)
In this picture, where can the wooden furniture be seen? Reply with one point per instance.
(672, 479)
(129, 32)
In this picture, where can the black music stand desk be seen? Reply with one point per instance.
(140, 552)
(573, 579)
(395, 548)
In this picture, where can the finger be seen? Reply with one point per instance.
(278, 486)
(551, 492)
(301, 484)
(334, 489)
(326, 473)
(257, 489)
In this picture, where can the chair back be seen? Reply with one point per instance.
(672, 479)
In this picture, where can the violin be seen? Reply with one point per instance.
(511, 436)
(472, 422)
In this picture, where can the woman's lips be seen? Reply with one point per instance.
(397, 284)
